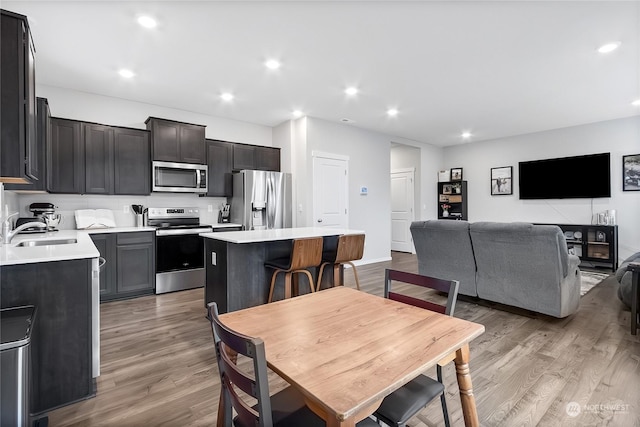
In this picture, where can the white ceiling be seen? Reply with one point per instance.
(492, 68)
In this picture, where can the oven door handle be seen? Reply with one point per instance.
(183, 232)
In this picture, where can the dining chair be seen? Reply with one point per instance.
(284, 409)
(348, 248)
(305, 253)
(401, 405)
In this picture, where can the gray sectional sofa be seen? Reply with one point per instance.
(517, 264)
(624, 279)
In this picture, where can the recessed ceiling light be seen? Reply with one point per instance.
(392, 112)
(351, 91)
(297, 113)
(466, 135)
(609, 47)
(272, 64)
(226, 96)
(147, 22)
(636, 103)
(127, 74)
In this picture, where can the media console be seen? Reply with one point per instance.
(596, 245)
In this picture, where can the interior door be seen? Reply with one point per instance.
(402, 187)
(330, 197)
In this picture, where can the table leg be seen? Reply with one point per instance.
(467, 398)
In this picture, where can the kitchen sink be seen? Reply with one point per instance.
(46, 242)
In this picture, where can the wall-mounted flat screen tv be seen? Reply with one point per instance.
(579, 177)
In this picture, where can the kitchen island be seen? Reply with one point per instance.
(234, 260)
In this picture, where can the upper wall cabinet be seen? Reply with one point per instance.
(132, 161)
(18, 144)
(220, 164)
(255, 157)
(65, 157)
(90, 158)
(173, 141)
(43, 136)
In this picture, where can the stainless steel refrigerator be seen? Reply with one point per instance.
(261, 200)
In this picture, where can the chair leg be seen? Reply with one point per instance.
(443, 399)
(310, 279)
(322, 266)
(355, 273)
(287, 285)
(273, 283)
(336, 275)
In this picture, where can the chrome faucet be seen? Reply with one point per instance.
(8, 234)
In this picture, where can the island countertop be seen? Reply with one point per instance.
(255, 236)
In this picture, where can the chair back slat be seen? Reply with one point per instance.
(227, 344)
(306, 252)
(428, 305)
(450, 287)
(235, 375)
(246, 415)
(350, 247)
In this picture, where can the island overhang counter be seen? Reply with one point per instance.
(236, 277)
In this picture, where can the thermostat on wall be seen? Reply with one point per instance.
(364, 191)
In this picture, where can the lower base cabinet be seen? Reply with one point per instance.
(129, 270)
(61, 340)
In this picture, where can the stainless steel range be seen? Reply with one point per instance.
(179, 248)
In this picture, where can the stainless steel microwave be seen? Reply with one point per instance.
(179, 177)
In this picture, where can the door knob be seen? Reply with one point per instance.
(320, 220)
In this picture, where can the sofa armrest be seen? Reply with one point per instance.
(574, 261)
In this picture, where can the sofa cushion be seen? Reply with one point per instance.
(444, 251)
(526, 266)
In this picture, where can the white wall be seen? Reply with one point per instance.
(619, 137)
(369, 166)
(71, 104)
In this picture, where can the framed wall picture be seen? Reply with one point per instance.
(444, 176)
(501, 181)
(456, 174)
(631, 172)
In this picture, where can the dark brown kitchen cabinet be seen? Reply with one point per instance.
(244, 157)
(220, 165)
(98, 159)
(174, 141)
(132, 162)
(18, 143)
(99, 162)
(61, 342)
(267, 158)
(105, 243)
(130, 264)
(43, 136)
(255, 157)
(65, 157)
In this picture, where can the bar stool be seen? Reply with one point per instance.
(350, 247)
(305, 253)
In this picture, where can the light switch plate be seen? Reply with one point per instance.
(214, 258)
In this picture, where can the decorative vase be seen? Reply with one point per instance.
(445, 213)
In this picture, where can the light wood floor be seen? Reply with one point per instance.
(158, 365)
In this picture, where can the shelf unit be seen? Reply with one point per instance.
(454, 194)
(596, 245)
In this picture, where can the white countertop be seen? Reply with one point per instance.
(12, 254)
(117, 230)
(254, 236)
(226, 225)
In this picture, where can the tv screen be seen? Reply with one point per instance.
(579, 177)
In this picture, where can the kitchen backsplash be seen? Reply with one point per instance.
(67, 204)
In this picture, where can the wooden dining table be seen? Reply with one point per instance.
(345, 350)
